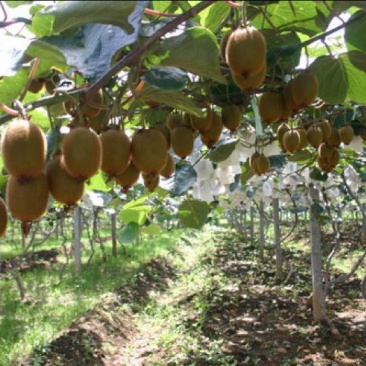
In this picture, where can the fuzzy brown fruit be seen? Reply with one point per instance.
(251, 83)
(303, 138)
(100, 122)
(36, 85)
(270, 106)
(290, 107)
(27, 201)
(91, 108)
(305, 89)
(326, 128)
(212, 135)
(334, 139)
(281, 130)
(291, 141)
(81, 153)
(165, 130)
(315, 136)
(63, 188)
(246, 51)
(202, 124)
(169, 168)
(346, 134)
(182, 140)
(223, 44)
(259, 163)
(231, 117)
(3, 217)
(23, 147)
(128, 178)
(149, 150)
(151, 181)
(116, 152)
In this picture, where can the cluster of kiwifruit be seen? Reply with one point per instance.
(279, 105)
(322, 136)
(49, 83)
(244, 50)
(259, 163)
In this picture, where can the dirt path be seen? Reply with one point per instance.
(212, 304)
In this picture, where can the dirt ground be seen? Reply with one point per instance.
(257, 321)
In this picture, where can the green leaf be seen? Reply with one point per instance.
(12, 86)
(128, 234)
(222, 152)
(193, 213)
(70, 14)
(137, 214)
(216, 13)
(277, 161)
(97, 183)
(47, 52)
(317, 174)
(14, 4)
(135, 203)
(300, 157)
(166, 78)
(11, 54)
(195, 50)
(246, 173)
(153, 229)
(172, 99)
(354, 32)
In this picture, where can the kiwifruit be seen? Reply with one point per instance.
(252, 160)
(174, 120)
(89, 109)
(51, 83)
(334, 139)
(212, 135)
(128, 178)
(165, 130)
(324, 164)
(326, 128)
(303, 138)
(182, 140)
(245, 51)
(346, 134)
(151, 181)
(315, 136)
(169, 168)
(252, 82)
(290, 107)
(149, 150)
(36, 85)
(202, 124)
(325, 151)
(3, 217)
(100, 122)
(270, 106)
(116, 152)
(81, 153)
(231, 116)
(27, 201)
(24, 148)
(304, 89)
(188, 120)
(282, 128)
(223, 44)
(259, 163)
(63, 188)
(291, 140)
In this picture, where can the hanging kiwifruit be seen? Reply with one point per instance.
(252, 160)
(51, 83)
(223, 44)
(270, 106)
(174, 120)
(290, 107)
(231, 116)
(27, 201)
(346, 134)
(36, 85)
(212, 135)
(169, 168)
(128, 178)
(188, 120)
(259, 163)
(334, 139)
(282, 128)
(81, 153)
(326, 128)
(252, 82)
(303, 138)
(149, 150)
(151, 181)
(182, 139)
(89, 109)
(100, 122)
(23, 147)
(304, 89)
(246, 51)
(165, 130)
(325, 151)
(315, 136)
(3, 217)
(116, 152)
(291, 140)
(202, 124)
(63, 188)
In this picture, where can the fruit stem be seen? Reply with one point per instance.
(258, 123)
(30, 78)
(244, 13)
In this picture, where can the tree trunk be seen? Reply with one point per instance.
(319, 311)
(114, 234)
(261, 231)
(277, 238)
(77, 239)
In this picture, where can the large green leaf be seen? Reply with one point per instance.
(153, 229)
(247, 173)
(355, 32)
(193, 213)
(12, 86)
(308, 17)
(129, 233)
(342, 77)
(216, 13)
(195, 50)
(14, 4)
(166, 78)
(97, 183)
(63, 15)
(173, 99)
(222, 152)
(135, 212)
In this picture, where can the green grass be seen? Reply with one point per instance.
(54, 304)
